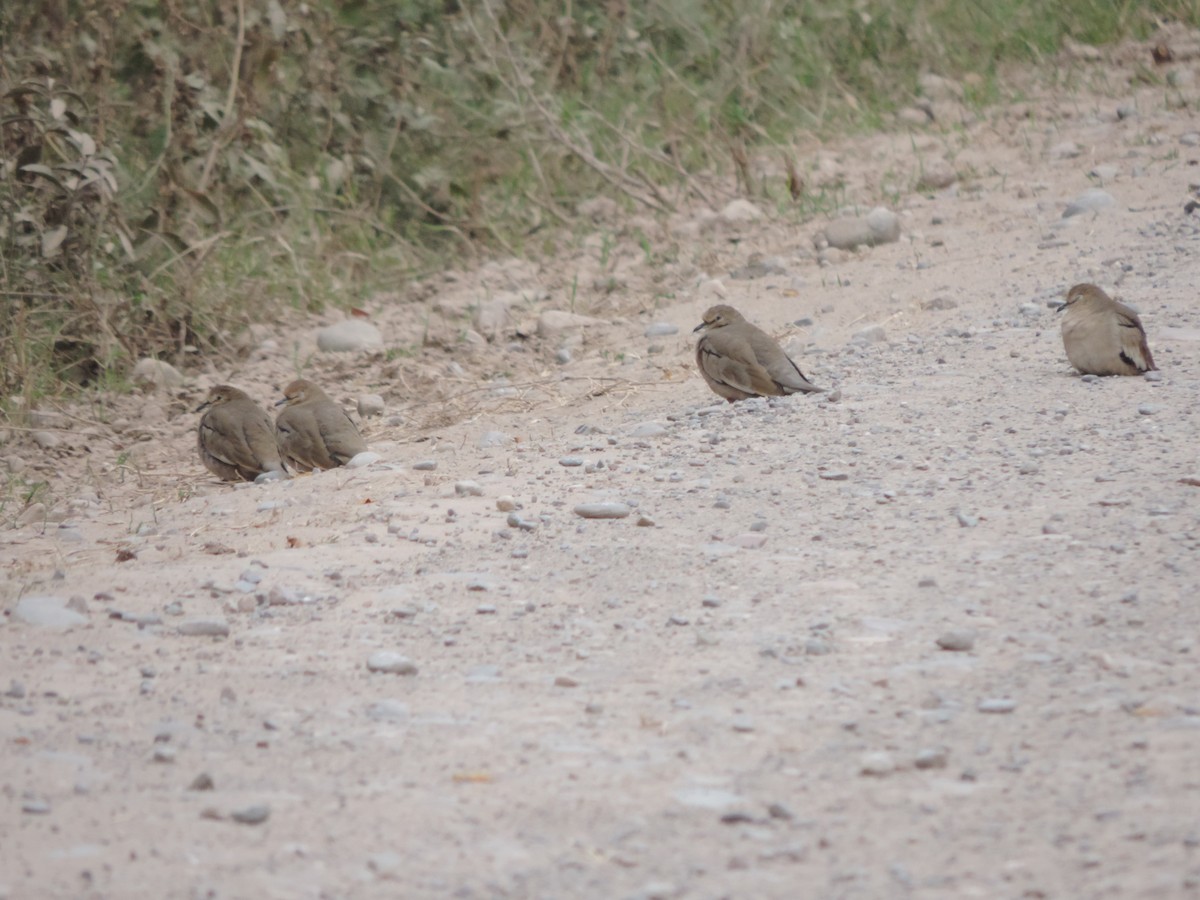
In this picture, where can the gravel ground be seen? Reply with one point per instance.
(933, 634)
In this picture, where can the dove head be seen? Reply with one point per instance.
(719, 316)
(299, 391)
(1084, 295)
(222, 393)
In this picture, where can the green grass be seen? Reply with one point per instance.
(168, 184)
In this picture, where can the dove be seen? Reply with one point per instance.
(314, 432)
(1102, 336)
(739, 360)
(235, 438)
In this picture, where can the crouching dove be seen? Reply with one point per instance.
(235, 439)
(313, 431)
(739, 360)
(1102, 336)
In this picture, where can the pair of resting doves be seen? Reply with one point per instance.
(740, 360)
(238, 442)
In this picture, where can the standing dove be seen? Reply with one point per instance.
(314, 432)
(1102, 336)
(739, 360)
(235, 437)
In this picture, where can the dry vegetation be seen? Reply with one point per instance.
(170, 172)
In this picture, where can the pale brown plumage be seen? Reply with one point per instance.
(235, 438)
(314, 432)
(739, 360)
(1102, 336)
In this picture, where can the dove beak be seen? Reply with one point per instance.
(699, 327)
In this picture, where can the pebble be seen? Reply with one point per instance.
(565, 681)
(644, 521)
(47, 612)
(660, 329)
(388, 711)
(47, 440)
(1148, 409)
(391, 662)
(370, 405)
(468, 489)
(493, 439)
(966, 520)
(361, 460)
(604, 510)
(204, 628)
(154, 373)
(251, 815)
(878, 764)
(349, 335)
(743, 724)
(485, 609)
(957, 640)
(817, 647)
(996, 705)
(553, 322)
(425, 465)
(932, 758)
(872, 334)
(834, 476)
(35, 807)
(648, 429)
(1092, 200)
(879, 226)
(570, 461)
(562, 355)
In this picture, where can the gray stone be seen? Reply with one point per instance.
(957, 640)
(156, 374)
(47, 612)
(996, 705)
(204, 628)
(467, 488)
(493, 439)
(660, 329)
(737, 212)
(602, 510)
(362, 460)
(1093, 200)
(877, 764)
(932, 758)
(251, 815)
(648, 429)
(872, 334)
(879, 226)
(349, 335)
(553, 322)
(390, 662)
(370, 405)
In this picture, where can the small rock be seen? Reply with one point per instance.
(966, 520)
(553, 322)
(648, 429)
(47, 612)
(736, 212)
(1092, 200)
(35, 807)
(996, 705)
(204, 628)
(570, 461)
(47, 440)
(872, 334)
(565, 681)
(957, 640)
(1148, 409)
(506, 503)
(362, 460)
(425, 465)
(251, 815)
(932, 758)
(603, 510)
(156, 374)
(660, 329)
(877, 764)
(468, 489)
(880, 226)
(349, 335)
(390, 662)
(493, 439)
(370, 405)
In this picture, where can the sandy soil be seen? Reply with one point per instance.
(737, 690)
